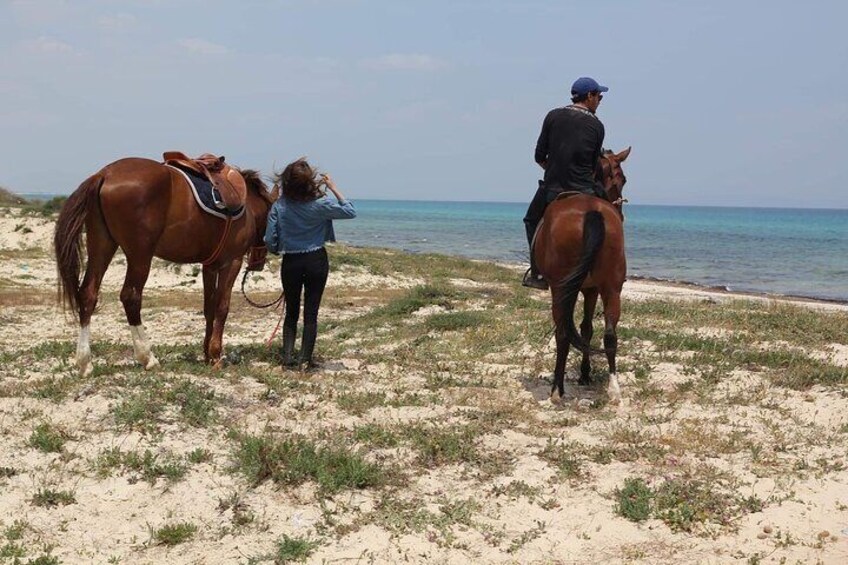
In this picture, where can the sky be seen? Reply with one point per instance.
(725, 103)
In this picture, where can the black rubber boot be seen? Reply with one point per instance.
(289, 335)
(307, 346)
(532, 278)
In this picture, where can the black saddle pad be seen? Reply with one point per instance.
(202, 189)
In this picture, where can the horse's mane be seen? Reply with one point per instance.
(254, 181)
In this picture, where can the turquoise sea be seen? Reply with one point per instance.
(799, 252)
(785, 251)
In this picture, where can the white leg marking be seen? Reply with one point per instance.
(142, 348)
(84, 351)
(613, 390)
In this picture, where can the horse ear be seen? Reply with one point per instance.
(623, 155)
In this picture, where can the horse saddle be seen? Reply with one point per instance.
(567, 193)
(229, 188)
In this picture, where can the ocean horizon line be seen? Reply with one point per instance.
(49, 195)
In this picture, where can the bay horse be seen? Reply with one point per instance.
(580, 248)
(148, 210)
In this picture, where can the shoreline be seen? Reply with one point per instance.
(833, 294)
(658, 281)
(42, 235)
(718, 289)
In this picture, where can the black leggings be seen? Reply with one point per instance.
(305, 272)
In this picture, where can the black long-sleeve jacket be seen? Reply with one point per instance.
(570, 146)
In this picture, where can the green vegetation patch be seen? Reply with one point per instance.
(174, 534)
(139, 411)
(293, 549)
(358, 403)
(417, 298)
(295, 460)
(148, 466)
(454, 321)
(51, 498)
(634, 500)
(44, 208)
(197, 403)
(686, 504)
(45, 437)
(564, 458)
(400, 516)
(755, 338)
(443, 446)
(375, 435)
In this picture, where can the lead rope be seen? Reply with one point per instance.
(276, 329)
(275, 303)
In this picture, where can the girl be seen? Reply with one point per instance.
(299, 224)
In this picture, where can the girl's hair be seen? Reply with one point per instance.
(299, 181)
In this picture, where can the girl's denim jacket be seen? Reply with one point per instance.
(301, 227)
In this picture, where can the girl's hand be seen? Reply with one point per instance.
(328, 180)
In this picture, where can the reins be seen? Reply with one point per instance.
(274, 302)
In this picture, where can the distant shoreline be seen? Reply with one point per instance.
(519, 267)
(741, 293)
(49, 195)
(516, 256)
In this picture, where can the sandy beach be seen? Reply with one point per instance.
(428, 436)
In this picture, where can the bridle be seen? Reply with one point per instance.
(613, 178)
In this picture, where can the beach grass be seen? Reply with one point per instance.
(430, 421)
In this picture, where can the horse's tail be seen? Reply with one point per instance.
(569, 287)
(67, 239)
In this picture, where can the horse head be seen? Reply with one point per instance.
(260, 205)
(613, 177)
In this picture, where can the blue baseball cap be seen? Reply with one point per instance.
(585, 85)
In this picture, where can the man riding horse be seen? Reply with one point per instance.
(568, 149)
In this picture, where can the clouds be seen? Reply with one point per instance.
(47, 46)
(405, 62)
(27, 12)
(351, 82)
(202, 47)
(116, 22)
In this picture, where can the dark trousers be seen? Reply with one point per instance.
(307, 273)
(535, 211)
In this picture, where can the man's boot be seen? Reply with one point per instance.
(289, 335)
(532, 278)
(307, 345)
(531, 222)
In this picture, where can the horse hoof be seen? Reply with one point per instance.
(85, 369)
(556, 398)
(152, 363)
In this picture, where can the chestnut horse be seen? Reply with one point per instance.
(148, 210)
(580, 248)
